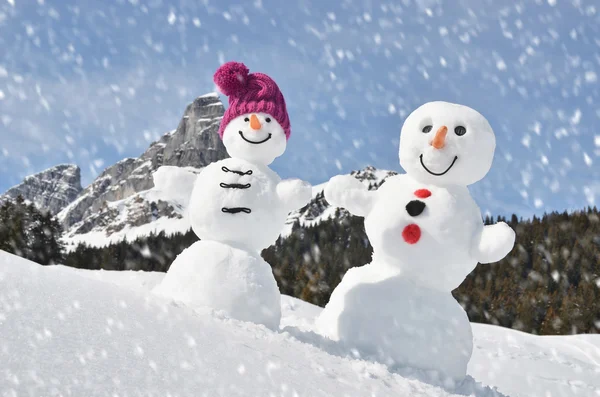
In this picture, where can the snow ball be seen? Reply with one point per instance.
(171, 18)
(591, 77)
(576, 117)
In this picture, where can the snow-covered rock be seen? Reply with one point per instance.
(162, 208)
(67, 331)
(50, 190)
(195, 143)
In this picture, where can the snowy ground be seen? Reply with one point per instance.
(75, 332)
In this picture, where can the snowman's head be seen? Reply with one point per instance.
(256, 125)
(255, 137)
(446, 144)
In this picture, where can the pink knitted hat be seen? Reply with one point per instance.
(250, 93)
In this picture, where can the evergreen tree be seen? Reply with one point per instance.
(30, 233)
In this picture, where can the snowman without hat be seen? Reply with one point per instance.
(239, 206)
(427, 235)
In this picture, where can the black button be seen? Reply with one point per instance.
(415, 208)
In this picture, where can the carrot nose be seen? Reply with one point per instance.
(439, 141)
(254, 123)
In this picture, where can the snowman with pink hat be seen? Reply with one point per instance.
(239, 206)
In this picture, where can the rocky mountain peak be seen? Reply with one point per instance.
(50, 190)
(194, 143)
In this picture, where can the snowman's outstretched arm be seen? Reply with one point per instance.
(348, 192)
(294, 193)
(495, 242)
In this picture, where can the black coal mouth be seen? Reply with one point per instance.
(436, 173)
(255, 142)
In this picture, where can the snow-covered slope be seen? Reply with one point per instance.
(63, 334)
(75, 332)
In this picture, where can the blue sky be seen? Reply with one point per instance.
(92, 82)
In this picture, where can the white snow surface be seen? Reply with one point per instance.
(67, 331)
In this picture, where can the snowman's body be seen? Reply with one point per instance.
(216, 275)
(394, 321)
(450, 224)
(235, 201)
(238, 206)
(427, 236)
(399, 309)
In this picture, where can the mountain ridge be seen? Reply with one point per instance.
(51, 189)
(193, 144)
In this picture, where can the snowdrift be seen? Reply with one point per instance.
(66, 331)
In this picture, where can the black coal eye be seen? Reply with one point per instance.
(268, 119)
(427, 128)
(246, 119)
(460, 130)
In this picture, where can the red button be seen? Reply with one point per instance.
(422, 193)
(411, 233)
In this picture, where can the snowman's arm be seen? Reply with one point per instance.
(294, 193)
(348, 192)
(495, 242)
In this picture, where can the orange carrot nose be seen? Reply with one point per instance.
(254, 123)
(439, 141)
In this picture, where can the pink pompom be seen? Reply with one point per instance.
(231, 77)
